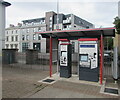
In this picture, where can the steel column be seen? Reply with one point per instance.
(101, 59)
(50, 56)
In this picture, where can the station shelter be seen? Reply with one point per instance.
(90, 53)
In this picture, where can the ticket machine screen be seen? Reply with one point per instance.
(84, 58)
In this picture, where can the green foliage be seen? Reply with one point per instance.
(117, 24)
(108, 43)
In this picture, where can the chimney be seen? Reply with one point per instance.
(11, 25)
(19, 24)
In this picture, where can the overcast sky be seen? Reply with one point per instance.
(99, 12)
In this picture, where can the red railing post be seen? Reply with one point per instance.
(50, 56)
(101, 59)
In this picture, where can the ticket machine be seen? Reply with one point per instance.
(65, 58)
(88, 59)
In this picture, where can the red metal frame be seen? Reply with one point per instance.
(77, 30)
(101, 59)
(88, 39)
(65, 44)
(50, 56)
(63, 40)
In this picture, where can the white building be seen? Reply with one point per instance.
(24, 36)
(12, 37)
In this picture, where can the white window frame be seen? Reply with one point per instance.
(34, 36)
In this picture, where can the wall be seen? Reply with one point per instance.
(2, 26)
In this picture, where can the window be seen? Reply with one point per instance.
(16, 46)
(34, 36)
(50, 21)
(32, 23)
(11, 46)
(16, 31)
(7, 32)
(57, 27)
(50, 17)
(16, 38)
(39, 37)
(34, 29)
(23, 30)
(36, 46)
(50, 29)
(12, 32)
(25, 46)
(50, 25)
(7, 46)
(27, 37)
(12, 38)
(28, 30)
(7, 38)
(65, 26)
(69, 26)
(39, 29)
(23, 37)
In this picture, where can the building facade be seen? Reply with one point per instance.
(24, 36)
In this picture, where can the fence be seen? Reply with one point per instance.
(35, 60)
(112, 64)
(30, 59)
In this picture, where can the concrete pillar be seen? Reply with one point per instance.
(3, 4)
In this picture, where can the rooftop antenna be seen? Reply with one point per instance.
(57, 14)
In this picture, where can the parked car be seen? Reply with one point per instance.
(108, 56)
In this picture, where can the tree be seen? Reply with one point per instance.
(117, 24)
(108, 43)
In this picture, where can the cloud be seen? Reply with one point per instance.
(98, 13)
(23, 10)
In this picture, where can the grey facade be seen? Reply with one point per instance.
(29, 39)
(71, 22)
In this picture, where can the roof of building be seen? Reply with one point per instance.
(31, 20)
(5, 3)
(75, 34)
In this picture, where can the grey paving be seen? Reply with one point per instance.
(62, 89)
(23, 83)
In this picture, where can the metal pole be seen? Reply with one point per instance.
(50, 56)
(58, 58)
(57, 14)
(101, 58)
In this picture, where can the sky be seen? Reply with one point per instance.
(99, 12)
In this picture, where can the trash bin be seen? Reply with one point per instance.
(9, 56)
